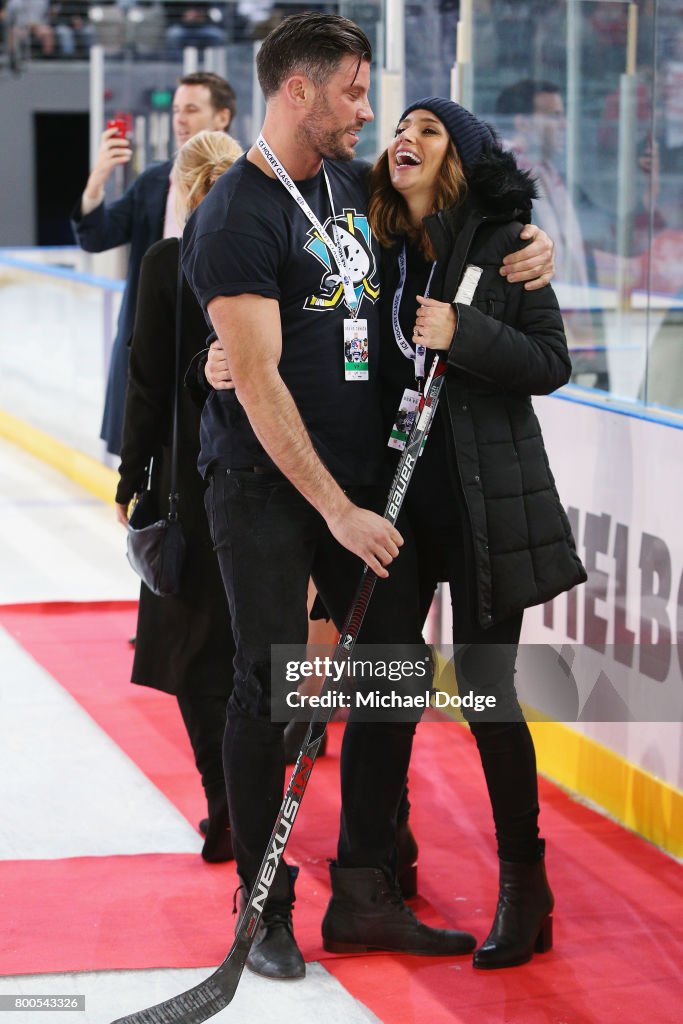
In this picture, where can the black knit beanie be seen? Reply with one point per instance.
(470, 135)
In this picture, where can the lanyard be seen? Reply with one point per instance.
(333, 244)
(418, 354)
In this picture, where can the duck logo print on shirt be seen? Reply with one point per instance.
(352, 231)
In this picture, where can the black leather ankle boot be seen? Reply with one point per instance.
(274, 953)
(523, 924)
(367, 912)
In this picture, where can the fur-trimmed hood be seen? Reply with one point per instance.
(498, 192)
(497, 184)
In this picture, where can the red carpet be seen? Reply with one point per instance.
(618, 934)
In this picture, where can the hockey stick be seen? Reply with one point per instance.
(214, 993)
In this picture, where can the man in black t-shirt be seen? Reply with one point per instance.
(281, 258)
(251, 237)
(293, 458)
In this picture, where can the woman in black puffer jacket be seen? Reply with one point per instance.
(483, 504)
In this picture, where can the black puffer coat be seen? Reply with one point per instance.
(509, 344)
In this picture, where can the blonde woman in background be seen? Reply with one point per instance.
(184, 644)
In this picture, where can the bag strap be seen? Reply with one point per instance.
(174, 496)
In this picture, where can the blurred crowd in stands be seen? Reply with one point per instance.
(49, 29)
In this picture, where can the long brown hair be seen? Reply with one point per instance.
(387, 211)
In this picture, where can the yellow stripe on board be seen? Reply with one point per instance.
(90, 474)
(629, 794)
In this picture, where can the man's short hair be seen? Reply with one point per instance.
(312, 44)
(519, 97)
(222, 93)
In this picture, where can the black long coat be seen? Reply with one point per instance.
(508, 345)
(137, 218)
(183, 641)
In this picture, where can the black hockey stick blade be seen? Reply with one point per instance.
(214, 993)
(201, 1002)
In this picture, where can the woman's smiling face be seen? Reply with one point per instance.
(417, 153)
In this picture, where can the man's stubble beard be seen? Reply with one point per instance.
(327, 142)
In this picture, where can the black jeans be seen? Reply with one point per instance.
(269, 541)
(484, 662)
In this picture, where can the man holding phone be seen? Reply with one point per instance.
(142, 216)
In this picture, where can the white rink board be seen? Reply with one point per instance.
(620, 477)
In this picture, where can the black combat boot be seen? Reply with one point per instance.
(523, 924)
(367, 912)
(274, 953)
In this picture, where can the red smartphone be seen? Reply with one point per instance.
(120, 125)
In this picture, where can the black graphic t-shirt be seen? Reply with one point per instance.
(249, 237)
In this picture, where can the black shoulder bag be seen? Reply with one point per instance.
(156, 547)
